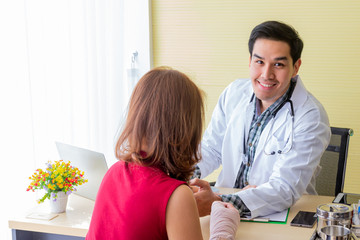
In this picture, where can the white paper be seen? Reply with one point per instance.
(276, 217)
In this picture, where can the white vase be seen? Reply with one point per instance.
(58, 204)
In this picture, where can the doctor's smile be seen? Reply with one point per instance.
(266, 85)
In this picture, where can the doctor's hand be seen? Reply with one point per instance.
(204, 196)
(249, 186)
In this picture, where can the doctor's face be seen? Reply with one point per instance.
(271, 69)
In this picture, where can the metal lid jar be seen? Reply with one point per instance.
(334, 214)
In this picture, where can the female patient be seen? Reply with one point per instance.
(145, 195)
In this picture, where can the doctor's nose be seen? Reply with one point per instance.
(267, 72)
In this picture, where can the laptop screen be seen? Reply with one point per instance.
(92, 163)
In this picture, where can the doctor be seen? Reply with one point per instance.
(268, 133)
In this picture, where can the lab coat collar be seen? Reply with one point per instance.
(300, 93)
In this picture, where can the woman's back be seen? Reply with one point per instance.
(131, 203)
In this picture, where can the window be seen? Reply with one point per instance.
(64, 77)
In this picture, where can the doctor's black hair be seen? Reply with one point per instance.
(278, 31)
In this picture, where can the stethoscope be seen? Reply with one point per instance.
(288, 146)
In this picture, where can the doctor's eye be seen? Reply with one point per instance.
(279, 64)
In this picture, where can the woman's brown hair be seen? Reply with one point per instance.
(166, 113)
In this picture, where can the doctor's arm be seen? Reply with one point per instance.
(211, 144)
(291, 172)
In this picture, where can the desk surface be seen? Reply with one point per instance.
(76, 220)
(269, 231)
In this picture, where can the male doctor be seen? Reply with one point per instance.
(268, 133)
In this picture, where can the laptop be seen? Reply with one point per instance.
(92, 163)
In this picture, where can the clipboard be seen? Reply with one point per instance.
(275, 218)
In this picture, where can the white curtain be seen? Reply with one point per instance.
(63, 73)
(76, 71)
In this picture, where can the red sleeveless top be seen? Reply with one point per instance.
(131, 203)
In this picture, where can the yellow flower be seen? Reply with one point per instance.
(59, 179)
(59, 176)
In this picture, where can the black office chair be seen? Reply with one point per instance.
(331, 179)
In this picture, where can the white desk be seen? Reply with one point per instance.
(74, 223)
(270, 231)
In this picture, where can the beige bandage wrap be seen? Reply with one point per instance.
(224, 221)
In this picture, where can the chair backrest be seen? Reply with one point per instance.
(331, 179)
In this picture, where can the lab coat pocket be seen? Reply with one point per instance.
(279, 142)
(273, 145)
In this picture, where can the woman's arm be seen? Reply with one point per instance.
(182, 217)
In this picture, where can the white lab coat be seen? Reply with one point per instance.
(281, 179)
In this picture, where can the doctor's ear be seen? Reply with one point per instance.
(296, 67)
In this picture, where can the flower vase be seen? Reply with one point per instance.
(58, 202)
